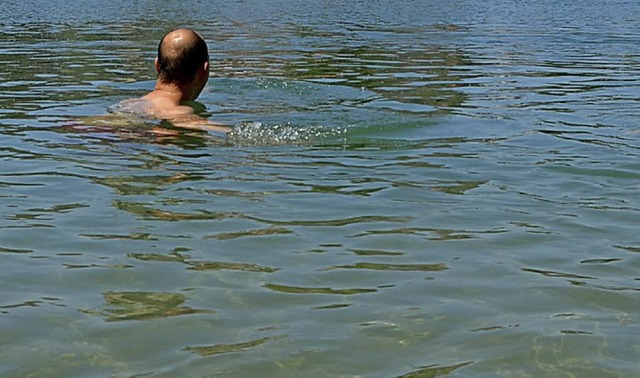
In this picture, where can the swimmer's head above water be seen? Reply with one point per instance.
(182, 63)
(183, 71)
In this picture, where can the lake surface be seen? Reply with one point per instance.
(412, 189)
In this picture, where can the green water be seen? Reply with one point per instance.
(412, 189)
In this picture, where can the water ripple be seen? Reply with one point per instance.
(219, 265)
(442, 157)
(396, 267)
(124, 306)
(210, 350)
(316, 290)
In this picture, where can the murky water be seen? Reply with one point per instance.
(412, 189)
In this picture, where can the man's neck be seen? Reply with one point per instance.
(170, 91)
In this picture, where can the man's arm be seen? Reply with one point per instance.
(195, 122)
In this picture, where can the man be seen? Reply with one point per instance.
(183, 70)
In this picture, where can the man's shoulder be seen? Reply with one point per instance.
(132, 106)
(165, 107)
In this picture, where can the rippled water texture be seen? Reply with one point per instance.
(412, 189)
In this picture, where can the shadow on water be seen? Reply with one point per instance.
(211, 350)
(202, 265)
(316, 290)
(123, 306)
(433, 371)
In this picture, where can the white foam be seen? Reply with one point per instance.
(257, 133)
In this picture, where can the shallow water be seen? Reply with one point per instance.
(410, 190)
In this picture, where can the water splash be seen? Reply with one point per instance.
(259, 134)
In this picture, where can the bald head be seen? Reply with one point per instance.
(181, 53)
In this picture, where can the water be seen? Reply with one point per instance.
(412, 189)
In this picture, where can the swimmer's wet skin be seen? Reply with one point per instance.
(183, 71)
(135, 115)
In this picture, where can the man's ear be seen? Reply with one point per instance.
(155, 62)
(206, 67)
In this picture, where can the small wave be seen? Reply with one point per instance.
(259, 134)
